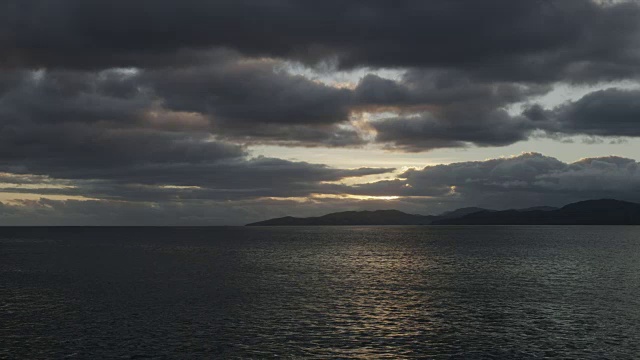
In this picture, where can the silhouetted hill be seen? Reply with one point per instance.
(541, 208)
(461, 212)
(595, 212)
(378, 217)
(590, 212)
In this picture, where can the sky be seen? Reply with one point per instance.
(228, 112)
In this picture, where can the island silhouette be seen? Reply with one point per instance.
(589, 212)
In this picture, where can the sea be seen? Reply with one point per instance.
(355, 292)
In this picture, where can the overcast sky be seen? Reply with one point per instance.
(156, 112)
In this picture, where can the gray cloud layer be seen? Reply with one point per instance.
(529, 179)
(524, 40)
(515, 182)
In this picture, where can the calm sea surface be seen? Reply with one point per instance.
(320, 292)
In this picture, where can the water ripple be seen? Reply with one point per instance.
(331, 292)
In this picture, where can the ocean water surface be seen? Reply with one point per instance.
(320, 292)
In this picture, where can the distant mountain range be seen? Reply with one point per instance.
(378, 217)
(590, 212)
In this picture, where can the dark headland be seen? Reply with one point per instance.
(590, 212)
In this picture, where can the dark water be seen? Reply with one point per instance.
(322, 292)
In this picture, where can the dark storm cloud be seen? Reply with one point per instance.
(252, 101)
(249, 101)
(551, 39)
(428, 131)
(237, 99)
(290, 135)
(10, 79)
(611, 112)
(110, 163)
(143, 156)
(480, 119)
(69, 96)
(451, 110)
(84, 151)
(429, 88)
(249, 92)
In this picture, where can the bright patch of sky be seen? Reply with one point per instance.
(329, 75)
(563, 93)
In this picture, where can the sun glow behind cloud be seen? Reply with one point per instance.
(317, 196)
(353, 197)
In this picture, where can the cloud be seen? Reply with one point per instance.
(437, 87)
(506, 39)
(82, 151)
(249, 92)
(232, 179)
(597, 175)
(611, 112)
(119, 134)
(252, 101)
(526, 180)
(427, 132)
(153, 102)
(529, 179)
(236, 100)
(241, 100)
